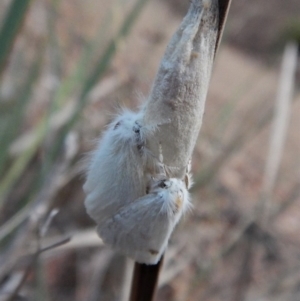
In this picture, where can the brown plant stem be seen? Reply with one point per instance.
(144, 282)
(178, 97)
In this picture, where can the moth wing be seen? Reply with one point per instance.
(140, 230)
(114, 178)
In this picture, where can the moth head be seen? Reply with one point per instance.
(159, 184)
(164, 183)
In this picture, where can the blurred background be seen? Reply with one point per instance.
(64, 66)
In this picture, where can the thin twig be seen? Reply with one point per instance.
(12, 295)
(281, 118)
(280, 126)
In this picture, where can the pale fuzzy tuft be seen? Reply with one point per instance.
(121, 165)
(141, 230)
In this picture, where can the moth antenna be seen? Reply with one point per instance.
(189, 166)
(161, 156)
(164, 168)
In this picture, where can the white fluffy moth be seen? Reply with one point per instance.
(142, 229)
(135, 205)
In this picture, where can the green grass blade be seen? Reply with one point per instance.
(103, 63)
(106, 58)
(12, 122)
(10, 28)
(17, 169)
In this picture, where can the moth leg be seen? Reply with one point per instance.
(188, 180)
(140, 143)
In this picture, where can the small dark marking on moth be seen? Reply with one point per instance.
(117, 125)
(137, 128)
(162, 184)
(153, 252)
